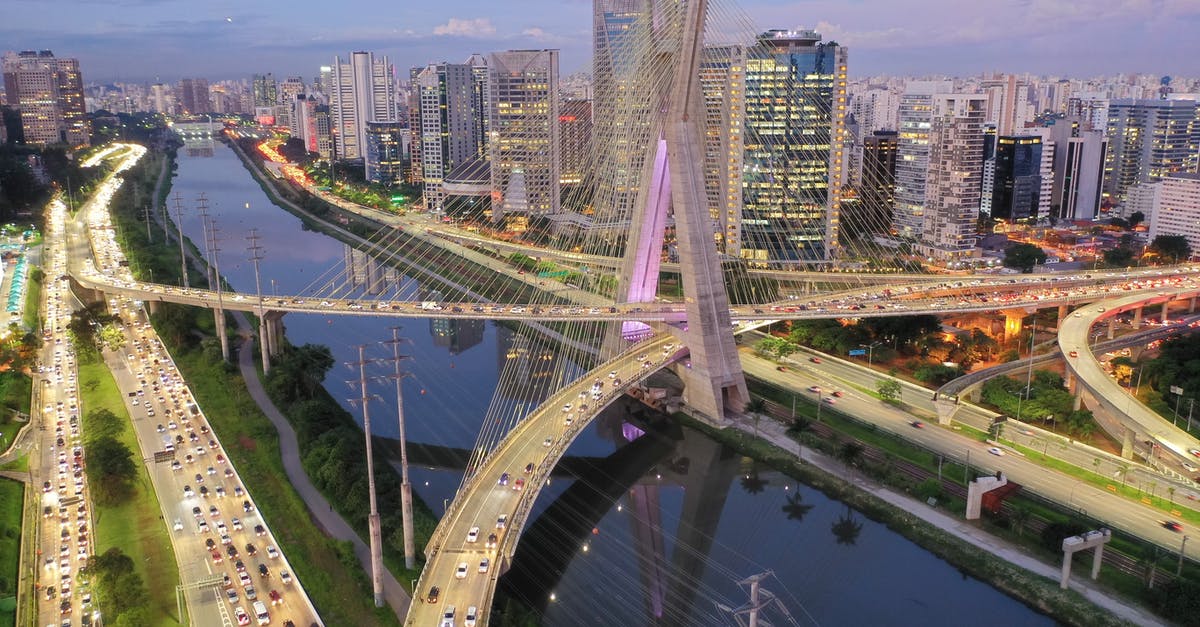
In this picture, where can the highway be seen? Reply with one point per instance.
(1146, 424)
(1119, 513)
(221, 544)
(508, 483)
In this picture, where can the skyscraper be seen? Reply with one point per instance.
(193, 96)
(723, 84)
(447, 131)
(384, 152)
(912, 160)
(523, 139)
(575, 136)
(876, 188)
(794, 130)
(1149, 139)
(1079, 156)
(953, 179)
(1175, 208)
(1012, 179)
(266, 92)
(48, 91)
(360, 91)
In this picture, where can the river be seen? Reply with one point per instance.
(654, 531)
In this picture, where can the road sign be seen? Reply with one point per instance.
(857, 352)
(1175, 389)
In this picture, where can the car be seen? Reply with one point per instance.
(996, 451)
(212, 511)
(503, 478)
(829, 400)
(1188, 467)
(204, 491)
(547, 442)
(447, 617)
(839, 393)
(1171, 525)
(251, 550)
(220, 458)
(518, 485)
(225, 539)
(220, 491)
(240, 614)
(263, 571)
(210, 544)
(228, 472)
(782, 368)
(502, 521)
(612, 374)
(244, 579)
(814, 388)
(484, 564)
(1194, 452)
(259, 530)
(211, 470)
(216, 557)
(815, 360)
(176, 466)
(529, 468)
(247, 507)
(231, 551)
(236, 522)
(178, 525)
(275, 597)
(1074, 353)
(473, 534)
(239, 566)
(471, 616)
(285, 577)
(918, 424)
(272, 553)
(491, 541)
(187, 492)
(434, 593)
(232, 595)
(461, 571)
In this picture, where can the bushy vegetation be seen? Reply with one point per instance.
(1046, 400)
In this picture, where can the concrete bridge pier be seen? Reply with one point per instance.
(1127, 444)
(1137, 318)
(1166, 308)
(1192, 305)
(274, 326)
(1014, 320)
(264, 350)
(222, 333)
(1112, 327)
(1062, 314)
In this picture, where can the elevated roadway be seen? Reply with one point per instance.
(1083, 364)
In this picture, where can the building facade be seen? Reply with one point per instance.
(1079, 156)
(524, 144)
(193, 96)
(1175, 208)
(48, 92)
(360, 92)
(1149, 139)
(912, 155)
(446, 134)
(1012, 177)
(384, 156)
(954, 176)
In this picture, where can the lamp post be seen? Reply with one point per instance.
(870, 351)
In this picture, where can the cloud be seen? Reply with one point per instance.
(478, 27)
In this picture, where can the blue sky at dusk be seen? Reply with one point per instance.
(139, 40)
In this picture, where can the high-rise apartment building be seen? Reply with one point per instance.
(446, 134)
(48, 92)
(1149, 139)
(877, 189)
(1079, 156)
(1175, 208)
(523, 139)
(912, 155)
(876, 109)
(360, 91)
(794, 131)
(193, 96)
(480, 99)
(1007, 103)
(723, 84)
(289, 92)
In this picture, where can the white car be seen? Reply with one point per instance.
(473, 534)
(996, 451)
(471, 617)
(461, 571)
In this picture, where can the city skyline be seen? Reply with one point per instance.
(167, 40)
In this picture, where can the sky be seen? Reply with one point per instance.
(145, 40)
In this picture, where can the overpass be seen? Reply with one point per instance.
(1083, 368)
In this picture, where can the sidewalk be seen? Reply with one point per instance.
(319, 508)
(775, 433)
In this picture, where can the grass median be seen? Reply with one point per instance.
(12, 502)
(135, 526)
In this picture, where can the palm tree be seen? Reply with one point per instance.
(846, 529)
(1018, 515)
(752, 483)
(795, 508)
(756, 407)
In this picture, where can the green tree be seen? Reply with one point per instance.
(889, 390)
(112, 337)
(1119, 257)
(1023, 256)
(1174, 248)
(102, 423)
(1136, 218)
(110, 470)
(756, 407)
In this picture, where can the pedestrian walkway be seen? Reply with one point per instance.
(776, 433)
(320, 509)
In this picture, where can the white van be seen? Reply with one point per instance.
(261, 613)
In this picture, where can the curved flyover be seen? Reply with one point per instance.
(538, 443)
(1073, 341)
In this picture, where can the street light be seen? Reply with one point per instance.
(870, 351)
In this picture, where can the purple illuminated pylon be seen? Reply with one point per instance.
(643, 282)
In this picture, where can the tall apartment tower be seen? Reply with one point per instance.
(1149, 139)
(523, 140)
(877, 189)
(265, 90)
(360, 92)
(1007, 103)
(1012, 177)
(193, 96)
(954, 176)
(723, 83)
(1079, 156)
(48, 91)
(912, 161)
(480, 99)
(446, 134)
(794, 156)
(1175, 208)
(575, 137)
